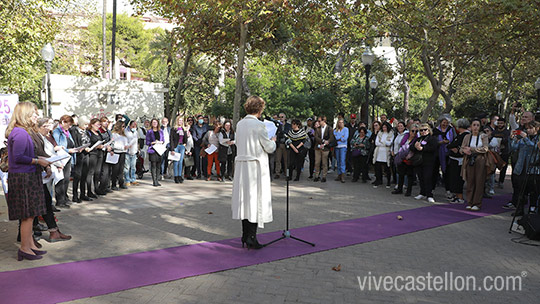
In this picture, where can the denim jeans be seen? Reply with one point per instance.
(177, 165)
(130, 168)
(341, 154)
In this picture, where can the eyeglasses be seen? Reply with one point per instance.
(422, 130)
(414, 131)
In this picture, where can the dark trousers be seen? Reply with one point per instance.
(49, 216)
(525, 187)
(393, 170)
(272, 164)
(105, 178)
(95, 162)
(60, 189)
(379, 166)
(296, 161)
(360, 167)
(118, 170)
(453, 173)
(502, 174)
(425, 176)
(165, 161)
(227, 166)
(405, 170)
(311, 155)
(196, 170)
(80, 174)
(349, 161)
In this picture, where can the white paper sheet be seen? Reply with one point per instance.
(175, 157)
(79, 149)
(4, 177)
(159, 148)
(211, 149)
(60, 159)
(58, 175)
(271, 128)
(47, 179)
(99, 142)
(112, 159)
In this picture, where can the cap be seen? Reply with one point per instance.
(353, 116)
(309, 118)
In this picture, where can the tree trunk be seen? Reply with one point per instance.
(406, 97)
(431, 103)
(167, 94)
(179, 98)
(239, 72)
(434, 85)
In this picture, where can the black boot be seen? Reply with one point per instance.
(177, 179)
(245, 231)
(76, 198)
(251, 240)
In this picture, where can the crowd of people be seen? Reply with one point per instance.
(101, 156)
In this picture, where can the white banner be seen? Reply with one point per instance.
(7, 105)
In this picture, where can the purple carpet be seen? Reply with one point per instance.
(107, 275)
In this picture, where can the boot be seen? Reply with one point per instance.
(245, 231)
(251, 240)
(342, 178)
(338, 178)
(76, 198)
(153, 171)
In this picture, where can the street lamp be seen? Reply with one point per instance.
(537, 87)
(216, 93)
(373, 83)
(47, 53)
(367, 61)
(499, 98)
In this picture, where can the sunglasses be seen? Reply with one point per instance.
(414, 131)
(422, 130)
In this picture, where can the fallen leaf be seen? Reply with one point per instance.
(310, 197)
(399, 217)
(210, 212)
(337, 268)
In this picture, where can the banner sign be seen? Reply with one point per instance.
(7, 105)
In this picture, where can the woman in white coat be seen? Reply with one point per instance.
(252, 197)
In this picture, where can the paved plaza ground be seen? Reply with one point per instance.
(146, 218)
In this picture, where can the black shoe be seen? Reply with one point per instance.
(54, 209)
(123, 187)
(310, 177)
(509, 205)
(397, 192)
(297, 179)
(176, 180)
(323, 180)
(316, 179)
(76, 199)
(189, 178)
(86, 198)
(408, 194)
(63, 206)
(518, 213)
(108, 191)
(92, 195)
(114, 188)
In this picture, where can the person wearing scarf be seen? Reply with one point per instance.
(296, 138)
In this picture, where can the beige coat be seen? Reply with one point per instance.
(252, 196)
(481, 151)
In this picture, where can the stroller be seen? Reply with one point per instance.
(139, 166)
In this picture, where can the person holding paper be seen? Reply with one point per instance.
(178, 139)
(154, 136)
(80, 169)
(227, 150)
(63, 138)
(95, 158)
(211, 142)
(120, 146)
(130, 165)
(106, 168)
(252, 195)
(26, 198)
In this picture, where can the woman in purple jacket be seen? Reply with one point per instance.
(25, 198)
(154, 136)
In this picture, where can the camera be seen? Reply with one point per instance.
(472, 159)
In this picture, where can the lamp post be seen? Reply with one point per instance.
(367, 61)
(537, 87)
(216, 93)
(47, 53)
(499, 97)
(373, 83)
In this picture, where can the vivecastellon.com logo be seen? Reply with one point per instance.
(448, 281)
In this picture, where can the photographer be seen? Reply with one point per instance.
(474, 169)
(526, 117)
(523, 143)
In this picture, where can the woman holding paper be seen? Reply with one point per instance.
(154, 136)
(177, 145)
(63, 138)
(211, 141)
(252, 195)
(26, 199)
(95, 158)
(120, 146)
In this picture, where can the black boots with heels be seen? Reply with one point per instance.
(249, 235)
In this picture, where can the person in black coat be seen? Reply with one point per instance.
(227, 150)
(426, 146)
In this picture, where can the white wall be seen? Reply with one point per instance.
(91, 97)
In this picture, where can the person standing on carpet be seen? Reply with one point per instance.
(26, 199)
(252, 196)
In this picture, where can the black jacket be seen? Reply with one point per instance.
(174, 138)
(430, 146)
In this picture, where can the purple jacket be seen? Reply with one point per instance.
(20, 152)
(150, 138)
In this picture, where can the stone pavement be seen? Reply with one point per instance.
(146, 218)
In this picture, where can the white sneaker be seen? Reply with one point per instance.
(449, 195)
(431, 200)
(468, 207)
(475, 208)
(395, 187)
(419, 197)
(387, 186)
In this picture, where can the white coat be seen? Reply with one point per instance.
(252, 196)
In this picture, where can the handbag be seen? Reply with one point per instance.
(189, 161)
(414, 159)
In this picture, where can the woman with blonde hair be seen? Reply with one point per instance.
(120, 146)
(178, 138)
(25, 199)
(341, 133)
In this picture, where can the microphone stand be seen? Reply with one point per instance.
(286, 233)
